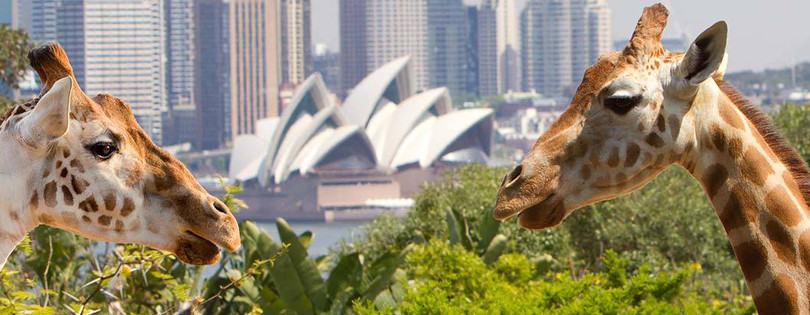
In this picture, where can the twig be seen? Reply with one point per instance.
(47, 269)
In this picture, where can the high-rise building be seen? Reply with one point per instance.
(447, 51)
(15, 13)
(179, 121)
(327, 63)
(374, 32)
(44, 13)
(254, 63)
(212, 74)
(561, 38)
(117, 47)
(471, 55)
(434, 33)
(498, 47)
(547, 56)
(296, 40)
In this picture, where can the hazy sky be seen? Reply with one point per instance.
(762, 33)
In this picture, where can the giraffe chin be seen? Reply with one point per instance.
(546, 214)
(195, 250)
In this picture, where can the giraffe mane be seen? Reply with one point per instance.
(763, 123)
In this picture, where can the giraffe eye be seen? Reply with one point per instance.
(103, 150)
(622, 103)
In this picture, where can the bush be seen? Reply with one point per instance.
(447, 279)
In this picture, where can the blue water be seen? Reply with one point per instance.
(325, 234)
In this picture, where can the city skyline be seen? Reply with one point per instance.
(688, 16)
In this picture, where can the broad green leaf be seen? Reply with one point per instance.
(495, 249)
(305, 267)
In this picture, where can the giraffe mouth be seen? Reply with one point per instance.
(196, 250)
(548, 213)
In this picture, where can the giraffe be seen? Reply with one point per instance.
(642, 109)
(84, 165)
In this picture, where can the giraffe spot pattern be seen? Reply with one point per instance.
(46, 219)
(66, 153)
(735, 147)
(716, 176)
(67, 197)
(661, 123)
(781, 241)
(674, 126)
(128, 207)
(104, 220)
(79, 185)
(49, 194)
(86, 219)
(33, 203)
(782, 207)
(728, 115)
(64, 173)
(752, 257)
(718, 137)
(613, 160)
(77, 165)
(654, 140)
(119, 226)
(14, 216)
(631, 156)
(109, 202)
(89, 204)
(780, 297)
(586, 172)
(754, 167)
(740, 209)
(804, 249)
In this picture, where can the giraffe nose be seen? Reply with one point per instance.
(220, 207)
(513, 176)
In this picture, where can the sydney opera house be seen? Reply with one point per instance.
(321, 161)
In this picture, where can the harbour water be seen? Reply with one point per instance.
(325, 234)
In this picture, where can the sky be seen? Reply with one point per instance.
(762, 33)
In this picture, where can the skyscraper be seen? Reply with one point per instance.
(296, 40)
(254, 62)
(44, 13)
(561, 38)
(126, 62)
(498, 47)
(212, 74)
(374, 32)
(447, 51)
(547, 56)
(471, 55)
(180, 120)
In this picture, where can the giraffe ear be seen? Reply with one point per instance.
(50, 118)
(705, 55)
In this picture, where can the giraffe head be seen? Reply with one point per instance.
(94, 172)
(629, 119)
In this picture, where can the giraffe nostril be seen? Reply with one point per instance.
(220, 207)
(514, 174)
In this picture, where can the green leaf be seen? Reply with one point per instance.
(487, 229)
(383, 271)
(347, 273)
(181, 291)
(306, 268)
(306, 238)
(495, 249)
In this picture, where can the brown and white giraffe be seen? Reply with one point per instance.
(642, 109)
(84, 165)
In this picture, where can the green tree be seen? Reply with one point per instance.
(13, 62)
(794, 121)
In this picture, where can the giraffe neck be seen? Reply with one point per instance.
(16, 220)
(759, 204)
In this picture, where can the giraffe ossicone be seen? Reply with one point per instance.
(642, 109)
(85, 165)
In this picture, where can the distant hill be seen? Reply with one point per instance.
(772, 78)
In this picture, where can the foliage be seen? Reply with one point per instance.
(793, 121)
(448, 279)
(13, 62)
